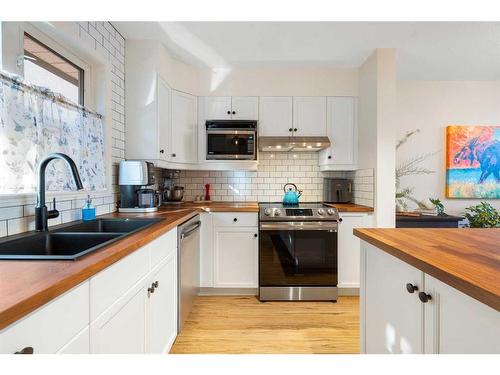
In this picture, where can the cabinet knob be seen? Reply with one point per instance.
(256, 235)
(295, 129)
(228, 112)
(162, 151)
(26, 350)
(290, 130)
(411, 288)
(234, 112)
(235, 219)
(174, 155)
(155, 284)
(151, 290)
(424, 297)
(329, 156)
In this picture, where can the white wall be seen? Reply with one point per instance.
(431, 106)
(279, 82)
(376, 126)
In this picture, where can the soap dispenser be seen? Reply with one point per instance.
(88, 211)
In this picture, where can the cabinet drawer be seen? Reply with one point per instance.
(113, 282)
(245, 219)
(162, 246)
(52, 326)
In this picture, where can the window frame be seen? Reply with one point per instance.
(86, 97)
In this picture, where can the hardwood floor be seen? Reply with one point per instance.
(242, 324)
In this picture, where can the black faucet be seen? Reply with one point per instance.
(42, 215)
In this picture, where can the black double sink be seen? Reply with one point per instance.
(71, 241)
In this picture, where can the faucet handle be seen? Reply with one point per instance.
(53, 213)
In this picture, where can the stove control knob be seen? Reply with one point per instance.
(330, 211)
(321, 211)
(267, 212)
(277, 213)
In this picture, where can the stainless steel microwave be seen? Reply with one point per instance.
(231, 139)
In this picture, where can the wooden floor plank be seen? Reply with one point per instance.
(242, 324)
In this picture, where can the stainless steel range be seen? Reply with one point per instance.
(298, 252)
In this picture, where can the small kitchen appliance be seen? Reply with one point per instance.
(298, 252)
(134, 178)
(292, 195)
(231, 139)
(337, 190)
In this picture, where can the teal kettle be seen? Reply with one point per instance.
(292, 195)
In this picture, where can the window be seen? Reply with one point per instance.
(44, 67)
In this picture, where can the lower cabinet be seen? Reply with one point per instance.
(122, 328)
(394, 319)
(236, 257)
(348, 248)
(129, 307)
(163, 306)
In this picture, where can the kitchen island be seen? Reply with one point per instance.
(430, 290)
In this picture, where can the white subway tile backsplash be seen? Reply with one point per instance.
(3, 228)
(11, 212)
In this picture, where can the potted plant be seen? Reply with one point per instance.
(483, 215)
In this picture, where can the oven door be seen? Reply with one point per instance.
(298, 254)
(230, 144)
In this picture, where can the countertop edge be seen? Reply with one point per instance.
(484, 296)
(22, 308)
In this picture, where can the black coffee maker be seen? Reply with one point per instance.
(134, 178)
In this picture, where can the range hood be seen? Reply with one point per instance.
(293, 144)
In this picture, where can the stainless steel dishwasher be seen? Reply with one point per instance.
(188, 245)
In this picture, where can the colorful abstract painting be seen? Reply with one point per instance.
(473, 161)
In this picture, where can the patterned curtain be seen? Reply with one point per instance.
(35, 122)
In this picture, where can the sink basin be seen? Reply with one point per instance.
(108, 226)
(71, 241)
(49, 245)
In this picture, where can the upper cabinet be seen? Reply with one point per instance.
(184, 140)
(309, 116)
(231, 108)
(342, 131)
(275, 116)
(164, 120)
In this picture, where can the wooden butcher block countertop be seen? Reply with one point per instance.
(466, 259)
(26, 285)
(349, 207)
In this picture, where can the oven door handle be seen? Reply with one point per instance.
(231, 132)
(300, 225)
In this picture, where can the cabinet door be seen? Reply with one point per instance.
(80, 344)
(206, 251)
(458, 324)
(218, 108)
(163, 306)
(235, 257)
(245, 108)
(164, 119)
(275, 116)
(184, 128)
(341, 131)
(122, 328)
(348, 249)
(391, 317)
(309, 116)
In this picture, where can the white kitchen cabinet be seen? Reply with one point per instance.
(218, 108)
(309, 116)
(457, 324)
(343, 135)
(235, 257)
(51, 327)
(231, 108)
(80, 344)
(184, 144)
(245, 107)
(122, 328)
(348, 249)
(392, 320)
(163, 305)
(275, 116)
(164, 120)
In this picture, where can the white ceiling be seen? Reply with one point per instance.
(425, 50)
